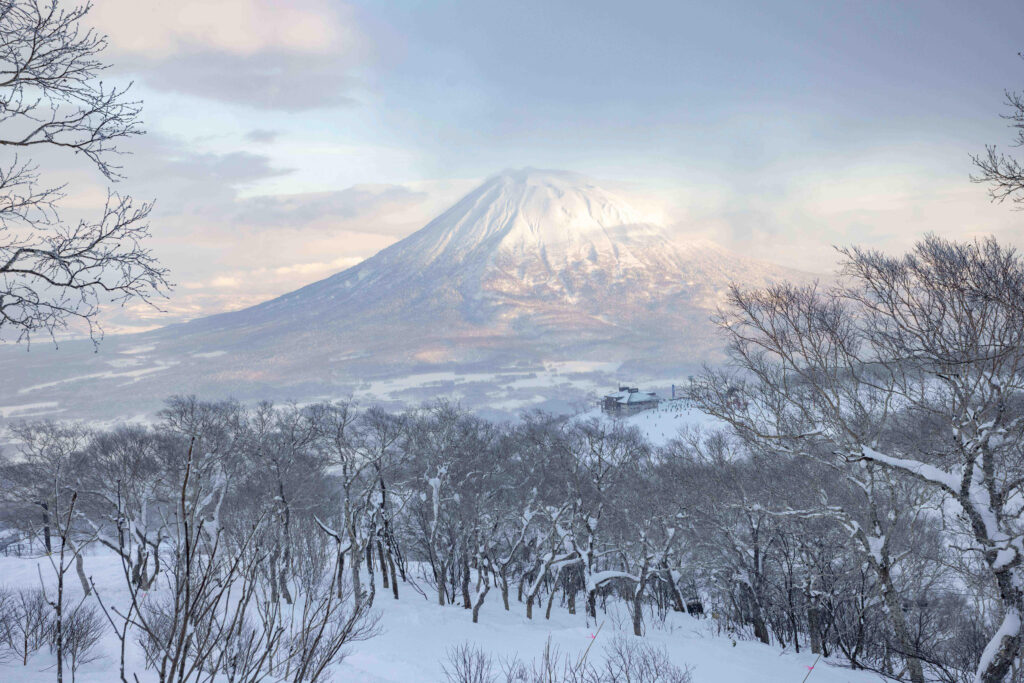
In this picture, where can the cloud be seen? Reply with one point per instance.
(222, 189)
(226, 282)
(162, 30)
(186, 181)
(314, 268)
(228, 169)
(800, 219)
(377, 209)
(273, 80)
(262, 135)
(226, 245)
(271, 54)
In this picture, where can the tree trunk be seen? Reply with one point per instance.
(638, 610)
(394, 578)
(282, 577)
(480, 600)
(467, 602)
(440, 587)
(638, 605)
(534, 590)
(396, 553)
(1005, 646)
(761, 630)
(899, 626)
(286, 559)
(357, 588)
(372, 575)
(678, 603)
(551, 601)
(383, 565)
(46, 527)
(791, 611)
(274, 583)
(80, 568)
(504, 590)
(58, 624)
(997, 668)
(341, 571)
(756, 617)
(814, 627)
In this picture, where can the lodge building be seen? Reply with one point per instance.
(628, 401)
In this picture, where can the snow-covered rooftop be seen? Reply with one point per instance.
(627, 395)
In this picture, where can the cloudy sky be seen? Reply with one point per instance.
(289, 139)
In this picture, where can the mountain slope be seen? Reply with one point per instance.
(531, 271)
(416, 636)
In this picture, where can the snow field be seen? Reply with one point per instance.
(416, 634)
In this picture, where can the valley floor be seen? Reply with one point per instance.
(415, 635)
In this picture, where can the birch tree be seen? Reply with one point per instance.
(55, 272)
(935, 337)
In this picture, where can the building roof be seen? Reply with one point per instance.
(632, 396)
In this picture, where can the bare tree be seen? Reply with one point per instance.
(468, 664)
(124, 478)
(1003, 173)
(52, 272)
(625, 660)
(81, 630)
(47, 475)
(933, 338)
(29, 622)
(357, 450)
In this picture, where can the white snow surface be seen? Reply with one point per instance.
(661, 425)
(415, 635)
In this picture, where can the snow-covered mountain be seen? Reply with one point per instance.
(536, 285)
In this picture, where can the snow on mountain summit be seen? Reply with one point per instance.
(531, 207)
(523, 236)
(518, 212)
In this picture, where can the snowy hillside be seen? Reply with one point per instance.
(532, 270)
(416, 634)
(662, 424)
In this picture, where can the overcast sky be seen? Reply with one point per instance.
(289, 139)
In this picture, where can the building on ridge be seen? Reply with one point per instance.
(628, 401)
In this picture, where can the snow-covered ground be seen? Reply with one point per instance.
(415, 635)
(664, 423)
